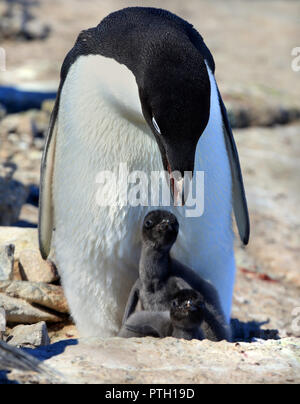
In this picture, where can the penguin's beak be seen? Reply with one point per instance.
(177, 186)
(180, 165)
(178, 153)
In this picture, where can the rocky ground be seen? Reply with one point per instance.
(267, 295)
(153, 361)
(252, 42)
(17, 21)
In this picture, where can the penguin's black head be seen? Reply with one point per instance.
(187, 309)
(160, 230)
(167, 57)
(175, 98)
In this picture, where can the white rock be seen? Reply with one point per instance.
(29, 335)
(6, 262)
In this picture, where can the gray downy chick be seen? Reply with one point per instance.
(161, 277)
(183, 321)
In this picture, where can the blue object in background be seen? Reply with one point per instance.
(17, 100)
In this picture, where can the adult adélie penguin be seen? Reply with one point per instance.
(137, 89)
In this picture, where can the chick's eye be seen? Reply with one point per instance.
(156, 126)
(149, 224)
(174, 304)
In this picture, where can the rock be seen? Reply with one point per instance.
(23, 239)
(20, 312)
(35, 335)
(2, 111)
(7, 262)
(48, 106)
(13, 195)
(34, 269)
(33, 122)
(17, 22)
(154, 361)
(28, 217)
(45, 295)
(16, 275)
(35, 29)
(2, 323)
(256, 112)
(10, 25)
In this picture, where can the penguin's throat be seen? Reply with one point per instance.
(185, 324)
(154, 265)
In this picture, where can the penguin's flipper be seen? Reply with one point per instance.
(147, 324)
(132, 301)
(46, 200)
(239, 197)
(143, 330)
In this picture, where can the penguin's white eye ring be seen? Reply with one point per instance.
(155, 124)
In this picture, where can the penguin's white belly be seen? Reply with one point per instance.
(97, 248)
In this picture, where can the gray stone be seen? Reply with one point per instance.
(25, 125)
(35, 29)
(35, 335)
(17, 22)
(20, 312)
(257, 112)
(7, 262)
(2, 112)
(50, 296)
(2, 323)
(13, 195)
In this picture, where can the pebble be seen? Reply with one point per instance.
(6, 262)
(17, 22)
(34, 269)
(25, 336)
(13, 195)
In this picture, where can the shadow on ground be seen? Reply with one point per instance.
(252, 331)
(47, 352)
(31, 360)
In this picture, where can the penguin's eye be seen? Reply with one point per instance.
(189, 304)
(155, 124)
(148, 224)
